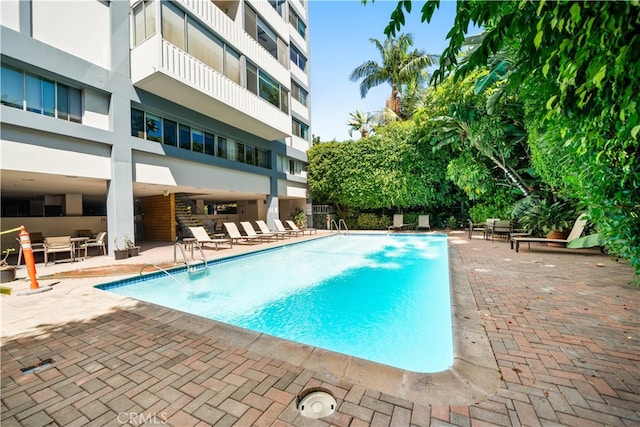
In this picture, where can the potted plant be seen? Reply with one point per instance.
(118, 252)
(132, 249)
(553, 219)
(7, 272)
(299, 218)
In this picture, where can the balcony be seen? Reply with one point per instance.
(160, 68)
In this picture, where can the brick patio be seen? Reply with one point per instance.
(563, 326)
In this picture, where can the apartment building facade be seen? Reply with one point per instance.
(112, 111)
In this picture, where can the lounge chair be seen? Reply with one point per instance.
(235, 236)
(264, 229)
(98, 242)
(423, 222)
(576, 231)
(294, 227)
(251, 232)
(203, 238)
(54, 245)
(398, 222)
(500, 227)
(290, 232)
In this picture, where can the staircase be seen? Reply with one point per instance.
(185, 217)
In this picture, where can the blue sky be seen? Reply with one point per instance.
(340, 33)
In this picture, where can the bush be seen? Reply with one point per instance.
(370, 221)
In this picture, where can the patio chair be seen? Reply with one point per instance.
(290, 232)
(398, 222)
(294, 227)
(203, 238)
(500, 227)
(423, 222)
(576, 231)
(264, 229)
(251, 232)
(234, 233)
(98, 242)
(54, 245)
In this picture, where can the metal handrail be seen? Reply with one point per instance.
(184, 255)
(346, 229)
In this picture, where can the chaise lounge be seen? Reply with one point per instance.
(203, 238)
(576, 232)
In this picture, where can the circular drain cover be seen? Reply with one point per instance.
(317, 404)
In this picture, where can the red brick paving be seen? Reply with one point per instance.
(563, 327)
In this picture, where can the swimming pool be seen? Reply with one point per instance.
(383, 298)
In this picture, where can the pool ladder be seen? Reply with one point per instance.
(339, 225)
(193, 266)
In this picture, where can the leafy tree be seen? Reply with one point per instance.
(584, 59)
(385, 170)
(399, 67)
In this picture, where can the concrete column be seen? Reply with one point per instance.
(273, 209)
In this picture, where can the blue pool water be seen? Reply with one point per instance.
(383, 298)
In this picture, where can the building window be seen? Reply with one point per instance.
(41, 96)
(300, 129)
(173, 27)
(290, 166)
(222, 147)
(209, 144)
(299, 93)
(154, 127)
(298, 58)
(269, 90)
(137, 123)
(197, 141)
(185, 137)
(170, 132)
(263, 34)
(297, 23)
(144, 21)
(277, 5)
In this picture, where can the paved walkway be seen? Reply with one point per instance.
(563, 327)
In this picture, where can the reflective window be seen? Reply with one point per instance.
(299, 93)
(34, 94)
(232, 65)
(239, 152)
(209, 144)
(197, 141)
(170, 132)
(298, 58)
(297, 23)
(222, 147)
(269, 90)
(300, 129)
(12, 87)
(137, 123)
(185, 137)
(63, 102)
(252, 78)
(206, 47)
(154, 130)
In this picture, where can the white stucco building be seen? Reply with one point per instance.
(114, 111)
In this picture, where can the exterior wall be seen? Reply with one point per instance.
(159, 218)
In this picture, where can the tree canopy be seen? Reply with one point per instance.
(385, 170)
(576, 67)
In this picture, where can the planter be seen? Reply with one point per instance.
(134, 251)
(121, 253)
(7, 274)
(555, 234)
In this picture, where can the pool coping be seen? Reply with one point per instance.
(473, 376)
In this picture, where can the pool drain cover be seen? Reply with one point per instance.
(317, 404)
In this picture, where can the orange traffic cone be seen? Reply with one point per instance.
(29, 260)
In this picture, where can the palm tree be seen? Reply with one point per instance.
(360, 122)
(399, 66)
